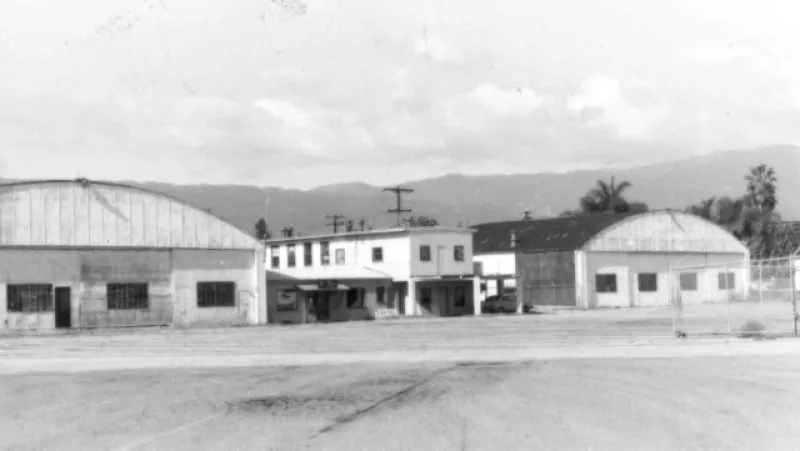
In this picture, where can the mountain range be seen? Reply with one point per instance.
(453, 199)
(461, 199)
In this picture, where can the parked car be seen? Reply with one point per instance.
(507, 303)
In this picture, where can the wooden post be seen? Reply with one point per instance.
(672, 300)
(761, 289)
(725, 289)
(794, 295)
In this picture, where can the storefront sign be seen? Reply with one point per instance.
(327, 284)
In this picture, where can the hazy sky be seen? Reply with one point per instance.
(301, 94)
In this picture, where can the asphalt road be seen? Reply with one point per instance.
(600, 381)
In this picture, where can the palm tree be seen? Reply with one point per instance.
(761, 187)
(607, 198)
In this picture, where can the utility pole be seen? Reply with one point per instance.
(399, 191)
(336, 221)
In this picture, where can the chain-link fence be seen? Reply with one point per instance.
(758, 298)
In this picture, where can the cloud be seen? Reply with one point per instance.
(746, 54)
(518, 101)
(284, 112)
(600, 99)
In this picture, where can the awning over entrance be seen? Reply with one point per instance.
(309, 287)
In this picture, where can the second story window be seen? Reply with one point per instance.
(275, 253)
(291, 259)
(340, 256)
(307, 255)
(377, 254)
(325, 253)
(424, 253)
(458, 253)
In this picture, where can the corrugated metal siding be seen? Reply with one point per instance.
(67, 214)
(547, 278)
(665, 232)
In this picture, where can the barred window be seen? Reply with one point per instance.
(127, 296)
(216, 294)
(29, 298)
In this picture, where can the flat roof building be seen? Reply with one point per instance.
(371, 274)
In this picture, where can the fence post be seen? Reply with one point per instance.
(671, 295)
(761, 289)
(794, 294)
(727, 295)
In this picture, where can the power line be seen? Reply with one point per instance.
(399, 191)
(336, 222)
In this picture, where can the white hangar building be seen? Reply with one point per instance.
(625, 260)
(81, 254)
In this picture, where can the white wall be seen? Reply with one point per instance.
(192, 266)
(357, 253)
(400, 253)
(627, 266)
(499, 264)
(442, 262)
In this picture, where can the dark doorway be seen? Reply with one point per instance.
(324, 306)
(63, 307)
(319, 308)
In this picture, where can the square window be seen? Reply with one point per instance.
(216, 294)
(355, 298)
(688, 281)
(648, 282)
(606, 283)
(726, 281)
(424, 253)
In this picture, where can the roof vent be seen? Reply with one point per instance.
(513, 239)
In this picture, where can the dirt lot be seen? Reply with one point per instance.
(599, 381)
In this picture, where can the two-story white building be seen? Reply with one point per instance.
(371, 274)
